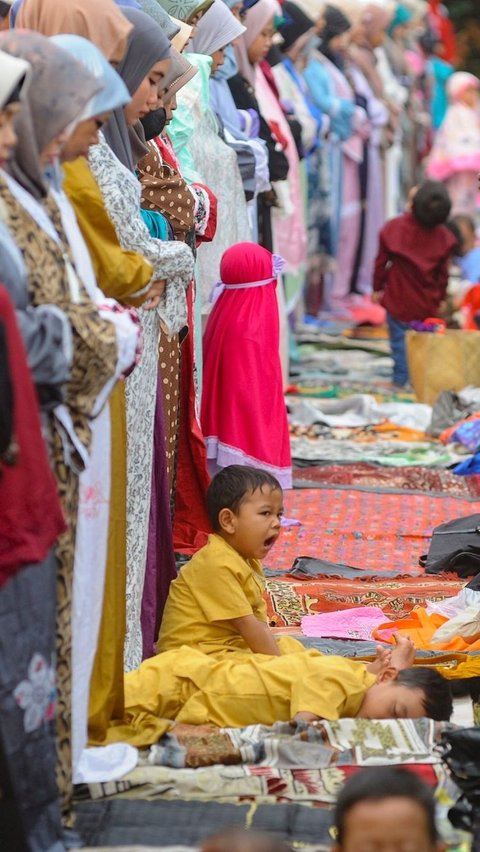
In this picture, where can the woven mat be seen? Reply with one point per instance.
(370, 477)
(371, 531)
(289, 600)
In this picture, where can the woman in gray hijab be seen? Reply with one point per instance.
(145, 63)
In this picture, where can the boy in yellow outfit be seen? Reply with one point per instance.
(216, 603)
(239, 690)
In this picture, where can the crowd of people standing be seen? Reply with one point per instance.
(139, 142)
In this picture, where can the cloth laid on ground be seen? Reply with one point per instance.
(359, 410)
(469, 467)
(360, 434)
(450, 407)
(284, 746)
(345, 359)
(381, 391)
(318, 787)
(370, 477)
(422, 627)
(356, 623)
(451, 607)
(395, 454)
(290, 600)
(466, 432)
(119, 823)
(465, 624)
(334, 528)
(106, 763)
(306, 567)
(354, 648)
(322, 341)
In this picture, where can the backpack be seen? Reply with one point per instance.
(455, 547)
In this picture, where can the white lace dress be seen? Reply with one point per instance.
(172, 261)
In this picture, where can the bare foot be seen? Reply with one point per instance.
(382, 661)
(403, 655)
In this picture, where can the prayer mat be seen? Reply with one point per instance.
(176, 764)
(323, 444)
(369, 477)
(303, 386)
(290, 599)
(232, 784)
(319, 340)
(367, 332)
(118, 823)
(368, 530)
(368, 434)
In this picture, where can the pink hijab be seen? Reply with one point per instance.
(257, 17)
(459, 83)
(241, 369)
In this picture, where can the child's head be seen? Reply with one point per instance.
(465, 227)
(408, 694)
(245, 506)
(245, 263)
(386, 808)
(240, 840)
(463, 88)
(431, 204)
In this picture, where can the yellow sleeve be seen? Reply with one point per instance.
(329, 687)
(120, 274)
(227, 589)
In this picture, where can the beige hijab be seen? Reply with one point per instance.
(103, 24)
(182, 38)
(181, 71)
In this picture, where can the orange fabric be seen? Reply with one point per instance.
(420, 627)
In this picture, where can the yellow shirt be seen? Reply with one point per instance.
(215, 586)
(236, 691)
(121, 274)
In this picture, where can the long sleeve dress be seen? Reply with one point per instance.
(173, 262)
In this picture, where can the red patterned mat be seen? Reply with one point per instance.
(290, 599)
(377, 532)
(368, 477)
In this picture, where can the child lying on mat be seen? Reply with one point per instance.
(237, 691)
(216, 603)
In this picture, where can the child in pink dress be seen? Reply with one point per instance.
(455, 157)
(243, 415)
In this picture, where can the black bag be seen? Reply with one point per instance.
(461, 753)
(455, 547)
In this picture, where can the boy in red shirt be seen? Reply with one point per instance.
(411, 269)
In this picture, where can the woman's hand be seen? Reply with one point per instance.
(154, 295)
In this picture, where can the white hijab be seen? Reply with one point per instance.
(12, 69)
(217, 28)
